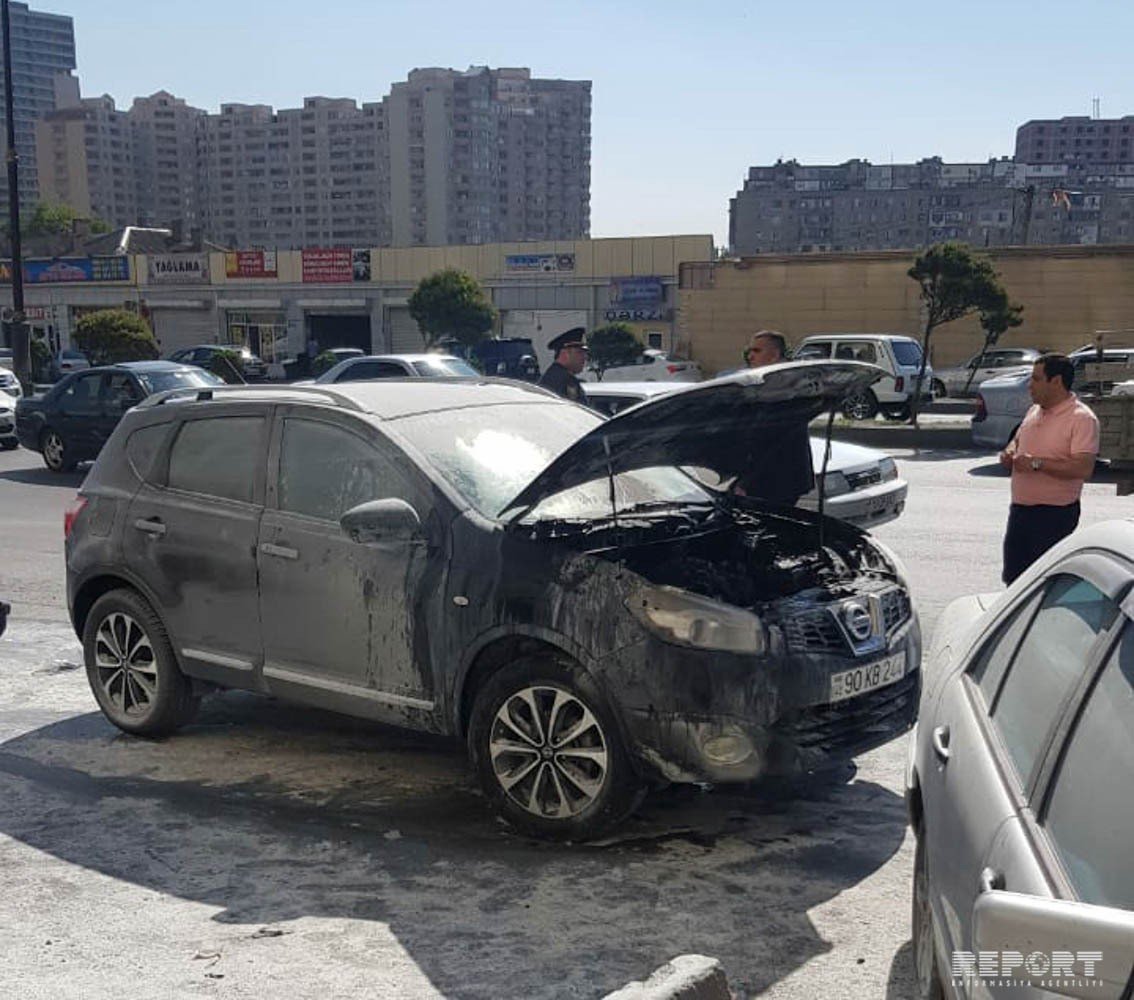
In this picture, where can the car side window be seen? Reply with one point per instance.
(326, 470)
(217, 456)
(1051, 658)
(142, 448)
(122, 389)
(81, 396)
(988, 667)
(1090, 809)
(819, 349)
(365, 370)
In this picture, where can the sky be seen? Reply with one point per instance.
(685, 96)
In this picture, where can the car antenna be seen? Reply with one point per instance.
(823, 476)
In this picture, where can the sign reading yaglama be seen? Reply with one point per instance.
(540, 262)
(179, 269)
(67, 269)
(250, 264)
(335, 265)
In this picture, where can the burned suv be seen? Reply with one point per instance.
(483, 559)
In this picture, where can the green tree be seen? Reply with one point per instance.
(112, 335)
(995, 320)
(613, 345)
(452, 303)
(228, 365)
(954, 282)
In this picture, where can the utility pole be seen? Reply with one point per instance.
(21, 349)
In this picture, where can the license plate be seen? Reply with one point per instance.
(868, 677)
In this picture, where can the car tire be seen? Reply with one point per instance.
(56, 454)
(938, 389)
(131, 667)
(9, 444)
(900, 412)
(575, 790)
(927, 975)
(861, 406)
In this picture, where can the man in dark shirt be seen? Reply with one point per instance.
(570, 359)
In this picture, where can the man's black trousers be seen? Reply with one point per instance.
(1032, 530)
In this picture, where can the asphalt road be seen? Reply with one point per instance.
(269, 851)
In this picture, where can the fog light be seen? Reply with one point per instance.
(728, 748)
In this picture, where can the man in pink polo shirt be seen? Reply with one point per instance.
(1051, 456)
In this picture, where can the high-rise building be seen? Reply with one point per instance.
(488, 155)
(165, 131)
(43, 48)
(1076, 140)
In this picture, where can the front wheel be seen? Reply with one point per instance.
(56, 454)
(938, 389)
(131, 667)
(861, 406)
(548, 752)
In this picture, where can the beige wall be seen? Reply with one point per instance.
(1068, 293)
(63, 180)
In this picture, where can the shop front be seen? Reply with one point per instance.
(263, 331)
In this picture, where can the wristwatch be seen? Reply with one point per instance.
(1037, 464)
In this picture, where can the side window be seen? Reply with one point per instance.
(366, 370)
(217, 456)
(81, 396)
(142, 447)
(1090, 811)
(819, 349)
(122, 390)
(844, 352)
(1050, 660)
(326, 470)
(988, 667)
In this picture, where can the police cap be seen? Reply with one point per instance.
(575, 337)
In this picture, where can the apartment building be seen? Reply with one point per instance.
(165, 130)
(43, 49)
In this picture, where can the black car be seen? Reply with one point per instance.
(480, 558)
(72, 421)
(511, 357)
(252, 365)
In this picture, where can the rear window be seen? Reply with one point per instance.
(906, 352)
(192, 378)
(72, 356)
(445, 367)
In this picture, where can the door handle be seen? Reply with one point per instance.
(991, 879)
(151, 526)
(282, 551)
(940, 740)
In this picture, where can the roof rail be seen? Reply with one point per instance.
(200, 394)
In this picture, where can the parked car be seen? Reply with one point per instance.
(73, 420)
(508, 357)
(65, 362)
(333, 355)
(8, 439)
(897, 355)
(1020, 785)
(445, 555)
(965, 379)
(7, 358)
(652, 366)
(202, 355)
(862, 484)
(1001, 405)
(9, 385)
(1098, 375)
(368, 368)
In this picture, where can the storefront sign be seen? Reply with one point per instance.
(631, 293)
(656, 314)
(70, 269)
(179, 268)
(335, 265)
(540, 263)
(33, 314)
(250, 264)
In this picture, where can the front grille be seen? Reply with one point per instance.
(868, 477)
(856, 722)
(896, 608)
(814, 632)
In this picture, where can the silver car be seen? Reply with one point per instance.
(370, 367)
(1020, 784)
(965, 379)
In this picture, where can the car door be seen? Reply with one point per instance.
(79, 413)
(120, 391)
(191, 537)
(992, 727)
(339, 617)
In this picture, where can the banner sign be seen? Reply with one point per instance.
(654, 314)
(632, 293)
(541, 263)
(250, 264)
(179, 268)
(335, 265)
(70, 269)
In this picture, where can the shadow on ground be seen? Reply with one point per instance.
(271, 813)
(45, 477)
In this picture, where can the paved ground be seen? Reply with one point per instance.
(275, 852)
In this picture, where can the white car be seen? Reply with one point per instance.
(8, 439)
(1020, 783)
(862, 484)
(370, 367)
(652, 366)
(1001, 405)
(967, 378)
(9, 385)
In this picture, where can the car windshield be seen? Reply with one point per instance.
(186, 378)
(906, 352)
(444, 367)
(490, 453)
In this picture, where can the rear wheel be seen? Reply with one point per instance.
(939, 389)
(861, 406)
(131, 667)
(924, 943)
(548, 752)
(56, 454)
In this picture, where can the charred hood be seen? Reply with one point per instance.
(704, 425)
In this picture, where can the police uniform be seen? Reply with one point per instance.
(557, 378)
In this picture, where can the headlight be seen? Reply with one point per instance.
(892, 556)
(835, 484)
(689, 620)
(889, 468)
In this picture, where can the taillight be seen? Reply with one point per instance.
(673, 369)
(900, 384)
(981, 409)
(71, 514)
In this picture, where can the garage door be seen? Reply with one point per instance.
(405, 337)
(178, 328)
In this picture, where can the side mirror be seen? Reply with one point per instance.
(378, 521)
(1074, 949)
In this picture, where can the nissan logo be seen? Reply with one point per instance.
(858, 621)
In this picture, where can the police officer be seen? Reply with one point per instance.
(570, 359)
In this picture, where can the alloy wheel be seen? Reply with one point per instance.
(549, 752)
(125, 664)
(53, 450)
(860, 406)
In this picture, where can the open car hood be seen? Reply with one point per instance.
(706, 425)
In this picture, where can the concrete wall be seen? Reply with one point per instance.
(1068, 293)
